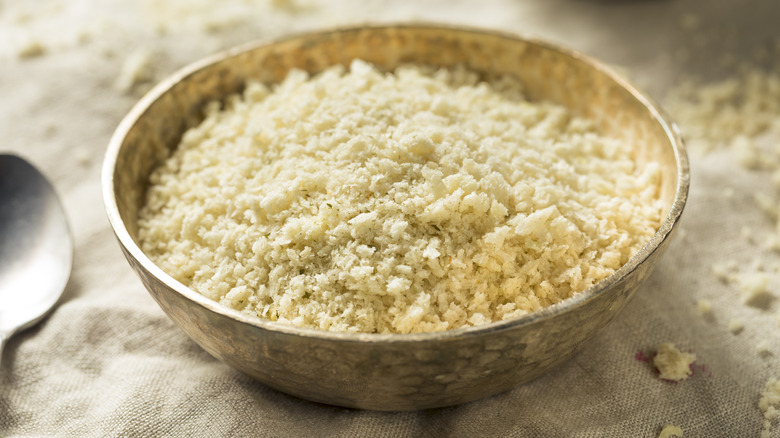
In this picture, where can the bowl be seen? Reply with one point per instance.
(393, 371)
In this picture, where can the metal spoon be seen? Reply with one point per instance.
(36, 247)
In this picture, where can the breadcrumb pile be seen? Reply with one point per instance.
(412, 201)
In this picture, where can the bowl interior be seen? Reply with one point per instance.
(588, 89)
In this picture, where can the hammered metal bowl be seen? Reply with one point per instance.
(392, 372)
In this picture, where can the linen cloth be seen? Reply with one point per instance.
(108, 362)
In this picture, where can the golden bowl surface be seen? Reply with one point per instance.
(398, 371)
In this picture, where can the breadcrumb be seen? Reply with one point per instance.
(136, 68)
(418, 200)
(704, 306)
(754, 288)
(670, 431)
(32, 49)
(736, 325)
(763, 348)
(672, 364)
(769, 404)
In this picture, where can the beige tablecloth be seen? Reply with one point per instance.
(108, 362)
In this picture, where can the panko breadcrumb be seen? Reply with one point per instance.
(673, 364)
(769, 404)
(411, 201)
(670, 431)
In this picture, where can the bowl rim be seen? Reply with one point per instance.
(668, 224)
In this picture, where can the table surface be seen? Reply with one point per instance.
(108, 362)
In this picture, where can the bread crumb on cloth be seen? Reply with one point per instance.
(670, 431)
(736, 325)
(704, 306)
(753, 285)
(730, 113)
(763, 348)
(412, 201)
(769, 404)
(135, 69)
(672, 364)
(31, 49)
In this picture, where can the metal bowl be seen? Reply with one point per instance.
(409, 371)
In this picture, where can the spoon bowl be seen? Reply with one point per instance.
(36, 247)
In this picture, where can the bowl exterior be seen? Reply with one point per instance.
(383, 374)
(392, 372)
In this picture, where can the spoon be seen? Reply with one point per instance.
(36, 247)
